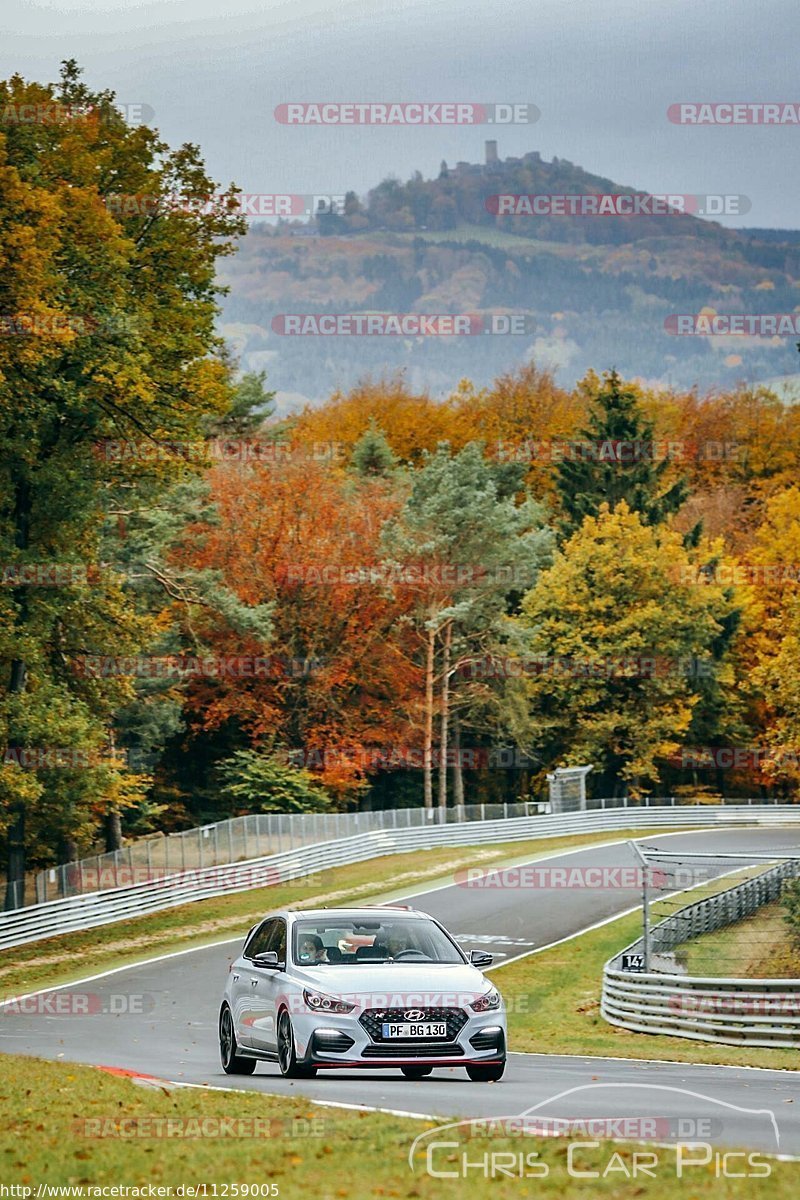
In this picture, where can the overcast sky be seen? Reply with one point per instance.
(602, 72)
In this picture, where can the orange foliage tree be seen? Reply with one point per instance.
(340, 684)
(411, 423)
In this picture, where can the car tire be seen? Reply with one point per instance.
(232, 1062)
(287, 1055)
(416, 1072)
(486, 1072)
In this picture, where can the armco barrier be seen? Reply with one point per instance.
(751, 1012)
(735, 1012)
(102, 908)
(240, 839)
(259, 834)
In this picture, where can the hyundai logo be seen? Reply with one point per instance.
(413, 1014)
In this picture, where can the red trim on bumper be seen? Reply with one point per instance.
(409, 1062)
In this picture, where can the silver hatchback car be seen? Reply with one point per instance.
(360, 987)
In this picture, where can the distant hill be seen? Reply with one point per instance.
(790, 237)
(596, 289)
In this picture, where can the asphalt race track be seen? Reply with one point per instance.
(160, 1018)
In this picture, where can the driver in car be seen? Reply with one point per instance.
(398, 941)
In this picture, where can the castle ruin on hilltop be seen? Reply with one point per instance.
(493, 164)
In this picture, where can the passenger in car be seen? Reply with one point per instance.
(312, 949)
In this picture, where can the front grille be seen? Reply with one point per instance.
(414, 1050)
(373, 1019)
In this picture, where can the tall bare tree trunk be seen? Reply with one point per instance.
(15, 869)
(15, 863)
(445, 715)
(427, 752)
(113, 832)
(458, 774)
(69, 850)
(113, 822)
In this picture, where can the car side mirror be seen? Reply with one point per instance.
(268, 960)
(479, 958)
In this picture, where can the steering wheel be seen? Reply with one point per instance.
(405, 953)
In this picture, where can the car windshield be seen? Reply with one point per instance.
(345, 941)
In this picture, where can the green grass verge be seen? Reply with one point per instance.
(54, 1114)
(759, 947)
(554, 1007)
(73, 956)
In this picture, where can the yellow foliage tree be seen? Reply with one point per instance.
(609, 630)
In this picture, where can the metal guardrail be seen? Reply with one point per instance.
(239, 839)
(751, 1012)
(259, 834)
(73, 913)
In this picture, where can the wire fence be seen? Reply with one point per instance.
(262, 834)
(735, 923)
(125, 903)
(240, 839)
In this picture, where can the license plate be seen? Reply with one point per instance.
(417, 1029)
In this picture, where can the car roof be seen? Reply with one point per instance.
(369, 913)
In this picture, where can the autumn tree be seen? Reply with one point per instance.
(108, 320)
(337, 684)
(735, 448)
(464, 544)
(410, 423)
(612, 460)
(522, 418)
(772, 574)
(607, 632)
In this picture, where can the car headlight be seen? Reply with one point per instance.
(319, 1002)
(486, 1002)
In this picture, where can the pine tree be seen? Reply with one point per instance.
(474, 545)
(613, 460)
(251, 406)
(372, 454)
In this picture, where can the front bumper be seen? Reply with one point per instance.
(342, 1040)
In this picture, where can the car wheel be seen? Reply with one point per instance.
(488, 1073)
(416, 1072)
(232, 1062)
(287, 1055)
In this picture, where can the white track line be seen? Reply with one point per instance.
(415, 1116)
(216, 1087)
(520, 860)
(605, 921)
(662, 1062)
